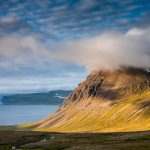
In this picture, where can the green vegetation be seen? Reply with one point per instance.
(74, 141)
(8, 128)
(51, 98)
(131, 114)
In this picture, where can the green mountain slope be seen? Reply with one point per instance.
(105, 102)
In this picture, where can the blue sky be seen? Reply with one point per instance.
(30, 31)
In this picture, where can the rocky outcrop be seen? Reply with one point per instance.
(112, 85)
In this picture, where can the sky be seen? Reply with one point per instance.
(54, 44)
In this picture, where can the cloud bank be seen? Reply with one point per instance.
(32, 36)
(109, 50)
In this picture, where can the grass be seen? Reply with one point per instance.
(8, 128)
(131, 114)
(78, 141)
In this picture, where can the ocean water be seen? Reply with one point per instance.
(18, 114)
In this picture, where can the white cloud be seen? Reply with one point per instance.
(106, 51)
(14, 46)
(32, 84)
(109, 50)
(7, 19)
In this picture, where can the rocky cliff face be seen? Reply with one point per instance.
(105, 101)
(112, 85)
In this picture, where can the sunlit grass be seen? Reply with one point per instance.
(100, 116)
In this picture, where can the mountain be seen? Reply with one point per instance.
(107, 101)
(55, 97)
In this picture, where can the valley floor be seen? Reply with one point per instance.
(24, 140)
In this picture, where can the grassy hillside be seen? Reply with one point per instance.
(107, 101)
(93, 115)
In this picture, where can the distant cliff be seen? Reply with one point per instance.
(55, 97)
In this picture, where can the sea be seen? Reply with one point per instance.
(18, 114)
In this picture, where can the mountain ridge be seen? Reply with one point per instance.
(104, 84)
(55, 97)
(107, 101)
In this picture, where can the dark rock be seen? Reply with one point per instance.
(112, 85)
